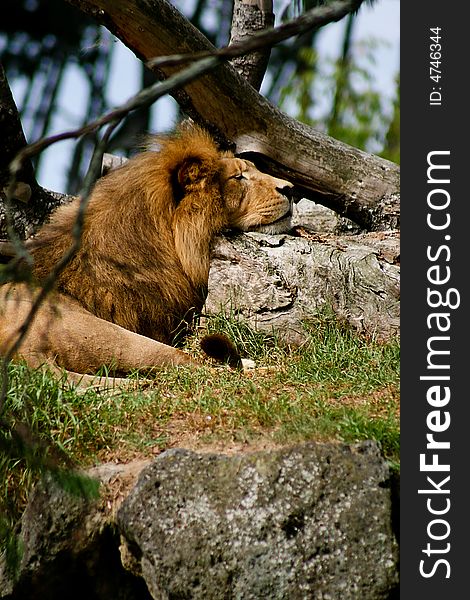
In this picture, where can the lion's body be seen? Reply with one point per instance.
(143, 263)
(67, 335)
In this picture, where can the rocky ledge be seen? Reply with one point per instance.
(312, 521)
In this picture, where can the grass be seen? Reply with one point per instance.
(338, 386)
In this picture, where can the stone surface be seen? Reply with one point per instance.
(312, 521)
(70, 550)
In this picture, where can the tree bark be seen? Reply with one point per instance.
(276, 283)
(360, 186)
(29, 203)
(250, 16)
(13, 139)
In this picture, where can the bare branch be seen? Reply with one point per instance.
(358, 185)
(144, 98)
(249, 17)
(310, 21)
(93, 173)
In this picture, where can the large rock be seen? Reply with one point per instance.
(313, 521)
(70, 550)
(277, 282)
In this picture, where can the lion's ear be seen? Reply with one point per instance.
(190, 171)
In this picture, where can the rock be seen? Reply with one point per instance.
(315, 217)
(312, 521)
(277, 282)
(70, 550)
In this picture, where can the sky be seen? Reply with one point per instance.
(380, 21)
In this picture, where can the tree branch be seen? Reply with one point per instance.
(360, 186)
(143, 98)
(23, 200)
(250, 17)
(13, 138)
(47, 286)
(310, 21)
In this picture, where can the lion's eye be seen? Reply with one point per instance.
(239, 177)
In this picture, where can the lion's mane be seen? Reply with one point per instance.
(143, 262)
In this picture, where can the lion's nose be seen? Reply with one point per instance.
(290, 192)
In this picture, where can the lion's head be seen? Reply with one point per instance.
(199, 173)
(144, 257)
(256, 201)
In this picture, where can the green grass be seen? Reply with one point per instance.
(338, 386)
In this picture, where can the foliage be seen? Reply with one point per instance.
(360, 117)
(391, 148)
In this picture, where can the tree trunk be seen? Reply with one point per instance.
(250, 16)
(276, 283)
(29, 203)
(357, 185)
(12, 140)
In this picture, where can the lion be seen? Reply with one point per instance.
(140, 275)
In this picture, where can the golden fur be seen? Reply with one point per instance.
(143, 263)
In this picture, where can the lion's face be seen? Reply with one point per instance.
(255, 201)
